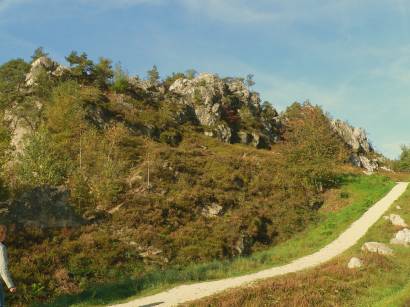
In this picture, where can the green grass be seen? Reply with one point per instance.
(388, 286)
(363, 191)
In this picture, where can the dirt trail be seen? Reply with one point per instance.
(346, 240)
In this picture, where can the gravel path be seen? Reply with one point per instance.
(346, 240)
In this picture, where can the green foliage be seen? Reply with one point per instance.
(403, 163)
(38, 53)
(191, 73)
(153, 75)
(120, 83)
(312, 149)
(12, 82)
(103, 73)
(249, 80)
(106, 161)
(82, 68)
(39, 164)
(171, 137)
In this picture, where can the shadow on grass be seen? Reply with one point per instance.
(101, 294)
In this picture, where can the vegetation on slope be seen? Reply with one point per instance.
(119, 168)
(362, 192)
(382, 281)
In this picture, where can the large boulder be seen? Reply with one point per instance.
(354, 263)
(396, 220)
(377, 247)
(402, 237)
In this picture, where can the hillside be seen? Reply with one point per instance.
(147, 173)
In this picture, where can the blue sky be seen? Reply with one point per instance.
(350, 57)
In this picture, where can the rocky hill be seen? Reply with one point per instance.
(147, 173)
(224, 107)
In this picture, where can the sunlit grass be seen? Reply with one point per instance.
(382, 281)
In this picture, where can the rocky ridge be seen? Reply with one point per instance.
(225, 108)
(356, 139)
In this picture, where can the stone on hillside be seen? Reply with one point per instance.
(356, 138)
(242, 245)
(397, 220)
(384, 168)
(354, 263)
(212, 210)
(19, 129)
(376, 247)
(402, 237)
(364, 162)
(47, 65)
(398, 207)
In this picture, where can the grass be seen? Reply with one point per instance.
(363, 191)
(382, 281)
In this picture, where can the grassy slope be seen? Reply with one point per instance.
(363, 191)
(383, 281)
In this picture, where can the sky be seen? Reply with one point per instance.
(350, 57)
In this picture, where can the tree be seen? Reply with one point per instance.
(103, 73)
(249, 81)
(38, 53)
(39, 164)
(82, 68)
(313, 150)
(153, 75)
(268, 112)
(12, 82)
(191, 73)
(120, 83)
(403, 164)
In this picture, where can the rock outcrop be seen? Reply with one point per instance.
(377, 247)
(47, 65)
(227, 109)
(213, 210)
(358, 142)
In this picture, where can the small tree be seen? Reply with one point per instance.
(313, 150)
(38, 53)
(82, 69)
(249, 81)
(12, 82)
(103, 73)
(403, 164)
(120, 83)
(39, 164)
(191, 73)
(153, 75)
